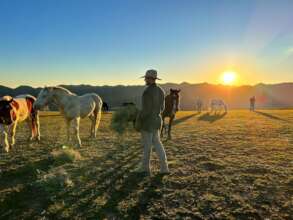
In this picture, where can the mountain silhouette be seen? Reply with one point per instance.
(267, 95)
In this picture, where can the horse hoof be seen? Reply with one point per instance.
(7, 148)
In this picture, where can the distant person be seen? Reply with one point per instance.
(150, 122)
(198, 105)
(252, 103)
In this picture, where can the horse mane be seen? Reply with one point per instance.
(62, 89)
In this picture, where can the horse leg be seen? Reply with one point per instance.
(98, 115)
(170, 127)
(76, 130)
(36, 125)
(68, 123)
(92, 118)
(31, 128)
(5, 138)
(12, 134)
(38, 128)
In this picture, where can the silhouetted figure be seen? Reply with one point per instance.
(105, 107)
(199, 105)
(252, 103)
(151, 122)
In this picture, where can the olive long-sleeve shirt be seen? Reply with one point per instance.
(153, 103)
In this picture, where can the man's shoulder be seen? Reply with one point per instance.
(153, 89)
(161, 90)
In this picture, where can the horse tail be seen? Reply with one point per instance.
(34, 114)
(98, 109)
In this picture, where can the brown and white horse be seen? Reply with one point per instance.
(171, 107)
(13, 111)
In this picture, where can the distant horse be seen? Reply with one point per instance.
(105, 107)
(73, 108)
(199, 105)
(15, 110)
(171, 107)
(217, 105)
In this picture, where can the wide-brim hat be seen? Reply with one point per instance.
(151, 74)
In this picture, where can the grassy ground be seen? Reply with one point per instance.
(234, 166)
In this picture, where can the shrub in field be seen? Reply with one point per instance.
(54, 179)
(65, 155)
(122, 118)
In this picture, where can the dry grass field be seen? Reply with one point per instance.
(233, 166)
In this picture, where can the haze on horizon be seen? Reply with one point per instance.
(113, 42)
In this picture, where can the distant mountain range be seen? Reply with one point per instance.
(267, 95)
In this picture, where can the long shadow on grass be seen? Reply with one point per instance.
(129, 185)
(26, 195)
(212, 117)
(183, 119)
(146, 197)
(271, 116)
(103, 181)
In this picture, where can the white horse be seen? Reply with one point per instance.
(73, 107)
(218, 105)
(198, 105)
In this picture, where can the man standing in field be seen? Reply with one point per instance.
(252, 103)
(153, 103)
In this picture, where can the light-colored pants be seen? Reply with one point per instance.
(150, 139)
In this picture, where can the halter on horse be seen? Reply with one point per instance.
(171, 107)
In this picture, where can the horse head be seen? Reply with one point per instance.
(174, 93)
(7, 108)
(44, 98)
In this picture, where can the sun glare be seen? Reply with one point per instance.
(229, 77)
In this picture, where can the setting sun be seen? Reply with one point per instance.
(229, 77)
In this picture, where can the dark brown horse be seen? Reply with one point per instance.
(171, 107)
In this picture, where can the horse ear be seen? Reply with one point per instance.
(171, 90)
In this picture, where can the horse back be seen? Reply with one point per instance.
(89, 103)
(25, 105)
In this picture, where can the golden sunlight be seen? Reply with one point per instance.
(229, 77)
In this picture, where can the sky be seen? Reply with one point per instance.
(110, 42)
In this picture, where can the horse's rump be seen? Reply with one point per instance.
(89, 104)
